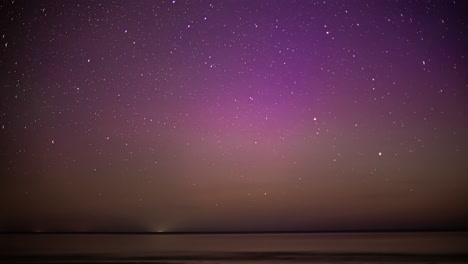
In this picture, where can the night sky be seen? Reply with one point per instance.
(233, 115)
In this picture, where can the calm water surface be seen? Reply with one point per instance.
(242, 248)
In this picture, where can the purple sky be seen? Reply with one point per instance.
(233, 115)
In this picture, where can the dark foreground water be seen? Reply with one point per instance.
(242, 248)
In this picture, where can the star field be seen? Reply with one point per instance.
(233, 115)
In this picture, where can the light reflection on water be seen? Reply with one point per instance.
(241, 248)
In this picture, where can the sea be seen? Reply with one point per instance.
(422, 247)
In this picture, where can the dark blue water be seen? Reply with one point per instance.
(242, 248)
